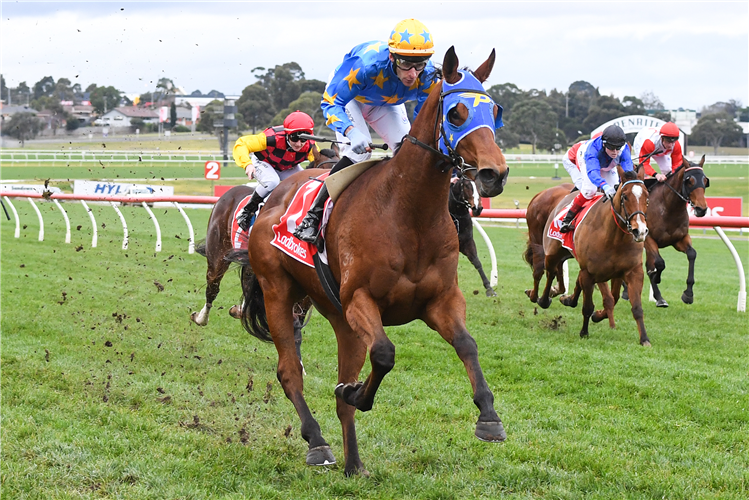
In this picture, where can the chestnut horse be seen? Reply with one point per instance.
(464, 200)
(217, 247)
(536, 216)
(392, 247)
(608, 246)
(669, 224)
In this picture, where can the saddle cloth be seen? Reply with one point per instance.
(567, 239)
(239, 238)
(284, 238)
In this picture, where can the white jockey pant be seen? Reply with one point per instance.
(390, 122)
(268, 177)
(571, 168)
(589, 189)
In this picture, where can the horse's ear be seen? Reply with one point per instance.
(483, 71)
(335, 148)
(316, 154)
(450, 66)
(702, 161)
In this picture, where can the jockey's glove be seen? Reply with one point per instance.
(609, 192)
(359, 141)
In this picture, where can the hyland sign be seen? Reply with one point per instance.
(119, 188)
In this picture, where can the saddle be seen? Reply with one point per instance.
(568, 239)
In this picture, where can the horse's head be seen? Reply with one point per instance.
(694, 185)
(464, 192)
(469, 118)
(325, 158)
(632, 200)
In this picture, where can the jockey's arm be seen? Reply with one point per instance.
(647, 148)
(347, 82)
(245, 146)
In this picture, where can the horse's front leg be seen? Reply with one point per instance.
(685, 245)
(217, 267)
(608, 305)
(352, 352)
(571, 300)
(551, 261)
(447, 317)
(469, 250)
(634, 279)
(278, 306)
(586, 283)
(655, 265)
(363, 315)
(538, 271)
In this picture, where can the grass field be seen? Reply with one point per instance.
(109, 391)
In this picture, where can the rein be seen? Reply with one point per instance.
(627, 216)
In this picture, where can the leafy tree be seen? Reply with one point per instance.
(581, 95)
(744, 114)
(715, 129)
(63, 90)
(605, 108)
(308, 102)
(535, 120)
(44, 87)
(651, 101)
(731, 107)
(23, 126)
(4, 91)
(105, 99)
(256, 108)
(633, 105)
(506, 138)
(172, 115)
(506, 95)
(555, 142)
(213, 111)
(72, 124)
(285, 83)
(136, 124)
(21, 93)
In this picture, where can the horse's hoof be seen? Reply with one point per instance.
(320, 455)
(625, 295)
(544, 303)
(491, 432)
(235, 312)
(583, 334)
(490, 292)
(356, 471)
(348, 392)
(687, 299)
(193, 317)
(566, 300)
(661, 303)
(645, 344)
(598, 316)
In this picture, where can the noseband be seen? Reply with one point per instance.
(627, 218)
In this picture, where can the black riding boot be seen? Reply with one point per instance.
(308, 229)
(566, 225)
(243, 219)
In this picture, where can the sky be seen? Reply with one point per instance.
(689, 54)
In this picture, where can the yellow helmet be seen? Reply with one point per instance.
(411, 38)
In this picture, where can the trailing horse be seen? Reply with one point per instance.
(669, 225)
(464, 200)
(391, 245)
(608, 245)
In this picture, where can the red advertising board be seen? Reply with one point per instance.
(220, 190)
(720, 206)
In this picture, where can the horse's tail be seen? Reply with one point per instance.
(200, 248)
(253, 306)
(528, 254)
(238, 257)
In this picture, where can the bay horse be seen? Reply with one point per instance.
(392, 248)
(608, 246)
(669, 225)
(464, 201)
(536, 215)
(217, 247)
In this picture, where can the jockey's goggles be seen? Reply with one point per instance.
(294, 137)
(612, 147)
(669, 139)
(408, 65)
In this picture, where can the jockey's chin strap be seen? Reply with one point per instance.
(452, 159)
(627, 218)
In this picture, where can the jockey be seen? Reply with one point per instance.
(570, 164)
(598, 161)
(659, 145)
(271, 156)
(370, 87)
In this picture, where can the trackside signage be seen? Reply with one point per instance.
(720, 206)
(119, 188)
(28, 188)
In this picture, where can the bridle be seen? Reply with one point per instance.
(627, 218)
(701, 181)
(451, 160)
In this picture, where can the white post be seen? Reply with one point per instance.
(124, 225)
(741, 306)
(67, 221)
(191, 243)
(156, 224)
(17, 234)
(41, 220)
(494, 278)
(95, 238)
(566, 275)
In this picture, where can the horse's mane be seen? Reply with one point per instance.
(630, 175)
(327, 152)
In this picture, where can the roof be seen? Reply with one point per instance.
(134, 112)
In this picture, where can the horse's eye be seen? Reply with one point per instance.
(454, 116)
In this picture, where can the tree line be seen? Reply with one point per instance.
(549, 121)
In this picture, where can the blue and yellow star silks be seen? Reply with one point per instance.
(480, 109)
(367, 75)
